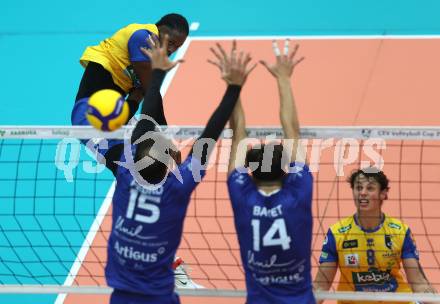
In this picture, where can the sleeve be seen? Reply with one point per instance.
(217, 122)
(112, 155)
(329, 252)
(152, 106)
(239, 184)
(189, 173)
(299, 176)
(137, 40)
(409, 249)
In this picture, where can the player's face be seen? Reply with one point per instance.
(367, 194)
(175, 39)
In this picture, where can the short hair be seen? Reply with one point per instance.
(175, 22)
(256, 154)
(154, 148)
(370, 173)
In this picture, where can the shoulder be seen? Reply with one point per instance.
(131, 28)
(239, 177)
(343, 226)
(395, 225)
(298, 175)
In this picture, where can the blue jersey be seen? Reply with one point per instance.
(275, 235)
(147, 229)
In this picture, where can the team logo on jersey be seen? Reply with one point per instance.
(350, 244)
(351, 260)
(370, 242)
(324, 255)
(240, 179)
(388, 241)
(325, 241)
(344, 228)
(394, 225)
(374, 280)
(389, 255)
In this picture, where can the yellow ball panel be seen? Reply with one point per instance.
(119, 121)
(94, 121)
(104, 101)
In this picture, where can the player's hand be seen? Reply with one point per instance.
(234, 68)
(158, 54)
(285, 63)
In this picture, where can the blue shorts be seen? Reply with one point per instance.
(78, 118)
(125, 297)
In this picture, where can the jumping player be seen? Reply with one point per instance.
(118, 63)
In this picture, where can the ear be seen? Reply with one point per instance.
(384, 194)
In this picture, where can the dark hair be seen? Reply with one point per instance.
(276, 166)
(370, 173)
(174, 22)
(156, 171)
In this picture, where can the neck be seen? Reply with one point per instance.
(269, 186)
(369, 220)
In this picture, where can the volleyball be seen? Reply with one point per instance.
(107, 110)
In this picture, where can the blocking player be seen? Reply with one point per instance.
(370, 248)
(273, 205)
(149, 205)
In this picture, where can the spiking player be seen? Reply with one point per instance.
(149, 208)
(369, 247)
(272, 208)
(118, 63)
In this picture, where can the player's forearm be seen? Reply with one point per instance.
(422, 286)
(221, 115)
(237, 121)
(219, 118)
(288, 112)
(152, 106)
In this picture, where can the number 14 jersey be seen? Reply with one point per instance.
(275, 232)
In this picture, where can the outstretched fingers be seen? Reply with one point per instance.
(276, 49)
(164, 45)
(222, 51)
(215, 63)
(250, 69)
(286, 47)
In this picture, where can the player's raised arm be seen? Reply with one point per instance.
(152, 105)
(237, 118)
(237, 123)
(282, 70)
(234, 71)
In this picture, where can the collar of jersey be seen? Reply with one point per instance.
(268, 194)
(369, 230)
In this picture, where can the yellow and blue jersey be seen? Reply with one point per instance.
(369, 260)
(117, 53)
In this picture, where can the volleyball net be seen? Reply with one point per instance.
(55, 204)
